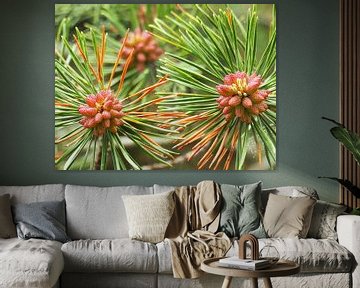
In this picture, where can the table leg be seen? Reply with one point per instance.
(254, 282)
(227, 282)
(267, 283)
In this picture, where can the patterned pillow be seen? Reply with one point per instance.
(149, 215)
(323, 222)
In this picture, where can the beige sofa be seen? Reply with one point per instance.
(101, 255)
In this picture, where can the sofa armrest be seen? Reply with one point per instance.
(348, 230)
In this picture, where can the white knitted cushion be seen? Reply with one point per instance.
(149, 215)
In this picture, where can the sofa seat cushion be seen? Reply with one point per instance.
(30, 263)
(115, 255)
(313, 255)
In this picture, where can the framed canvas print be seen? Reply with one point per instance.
(165, 86)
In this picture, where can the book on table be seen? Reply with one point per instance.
(236, 262)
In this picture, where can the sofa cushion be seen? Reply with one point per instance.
(240, 212)
(30, 263)
(43, 220)
(323, 222)
(7, 226)
(35, 193)
(149, 215)
(98, 213)
(117, 255)
(287, 216)
(313, 255)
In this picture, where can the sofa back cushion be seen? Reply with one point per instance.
(98, 212)
(35, 193)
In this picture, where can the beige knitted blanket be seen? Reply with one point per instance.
(191, 231)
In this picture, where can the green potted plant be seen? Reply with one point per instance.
(351, 141)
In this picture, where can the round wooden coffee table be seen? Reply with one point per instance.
(281, 268)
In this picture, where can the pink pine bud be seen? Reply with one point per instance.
(225, 101)
(262, 107)
(254, 82)
(145, 47)
(98, 118)
(116, 122)
(232, 78)
(90, 123)
(246, 102)
(91, 100)
(234, 101)
(108, 105)
(257, 97)
(225, 90)
(255, 110)
(227, 110)
(140, 67)
(141, 57)
(116, 114)
(239, 112)
(100, 98)
(117, 106)
(140, 46)
(99, 131)
(106, 123)
(106, 114)
(228, 117)
(87, 111)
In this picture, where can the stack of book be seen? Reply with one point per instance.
(248, 264)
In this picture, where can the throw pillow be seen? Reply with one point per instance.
(288, 217)
(7, 227)
(240, 213)
(149, 215)
(43, 220)
(323, 223)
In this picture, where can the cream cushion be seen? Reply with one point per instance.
(30, 263)
(149, 215)
(287, 217)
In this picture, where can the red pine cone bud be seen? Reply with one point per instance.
(146, 49)
(102, 112)
(240, 93)
(246, 102)
(234, 101)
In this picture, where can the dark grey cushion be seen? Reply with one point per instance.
(7, 227)
(240, 213)
(43, 220)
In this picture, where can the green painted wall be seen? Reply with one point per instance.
(307, 89)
